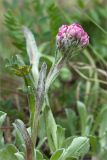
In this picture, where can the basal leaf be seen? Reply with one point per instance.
(8, 153)
(79, 147)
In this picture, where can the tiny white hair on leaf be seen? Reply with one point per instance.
(32, 51)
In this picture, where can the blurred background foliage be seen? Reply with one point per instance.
(85, 76)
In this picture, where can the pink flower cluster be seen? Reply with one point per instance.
(71, 35)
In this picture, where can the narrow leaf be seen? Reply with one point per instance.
(51, 129)
(39, 101)
(83, 116)
(29, 150)
(60, 136)
(32, 51)
(72, 120)
(41, 86)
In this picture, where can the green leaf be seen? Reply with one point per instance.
(93, 143)
(56, 155)
(41, 132)
(29, 146)
(51, 129)
(103, 129)
(60, 136)
(8, 153)
(2, 119)
(89, 125)
(100, 119)
(72, 120)
(19, 141)
(19, 156)
(38, 155)
(83, 116)
(78, 147)
(68, 141)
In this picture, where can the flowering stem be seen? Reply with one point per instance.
(54, 72)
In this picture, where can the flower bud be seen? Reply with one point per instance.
(72, 37)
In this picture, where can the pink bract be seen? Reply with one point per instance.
(70, 33)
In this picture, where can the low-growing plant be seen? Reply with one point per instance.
(69, 40)
(77, 98)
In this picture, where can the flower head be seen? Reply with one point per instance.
(71, 37)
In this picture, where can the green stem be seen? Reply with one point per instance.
(30, 97)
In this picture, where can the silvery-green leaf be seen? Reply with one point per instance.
(78, 147)
(41, 86)
(29, 150)
(19, 141)
(2, 119)
(39, 101)
(19, 156)
(32, 51)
